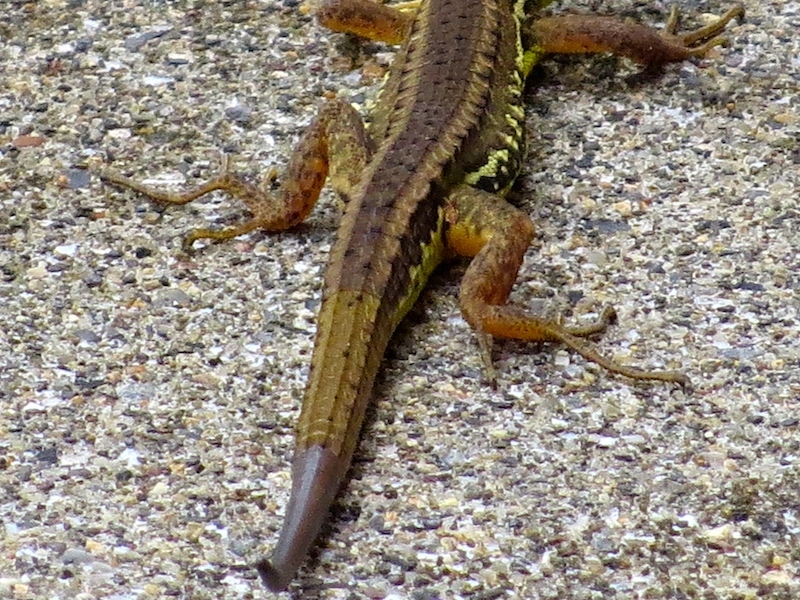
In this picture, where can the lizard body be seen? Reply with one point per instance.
(425, 182)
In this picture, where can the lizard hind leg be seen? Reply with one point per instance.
(335, 141)
(223, 181)
(496, 234)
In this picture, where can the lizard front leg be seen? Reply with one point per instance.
(496, 234)
(569, 34)
(368, 19)
(335, 144)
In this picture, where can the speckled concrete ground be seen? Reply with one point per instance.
(148, 398)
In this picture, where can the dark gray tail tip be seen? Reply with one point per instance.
(272, 578)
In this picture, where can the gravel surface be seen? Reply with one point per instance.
(148, 397)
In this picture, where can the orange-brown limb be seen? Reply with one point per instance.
(496, 235)
(335, 141)
(570, 34)
(366, 19)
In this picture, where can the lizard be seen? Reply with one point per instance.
(425, 181)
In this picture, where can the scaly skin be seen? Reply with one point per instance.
(445, 143)
(389, 242)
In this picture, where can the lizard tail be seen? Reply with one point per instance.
(272, 578)
(317, 474)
